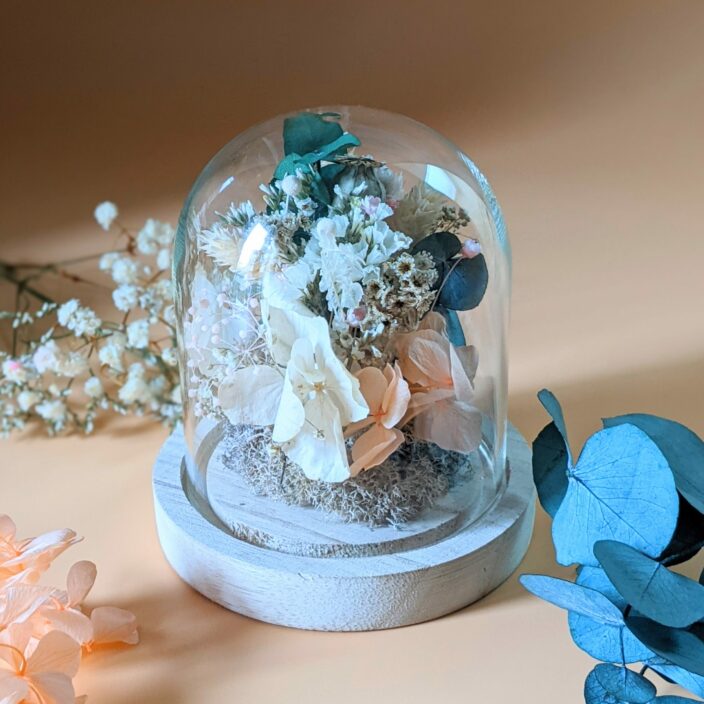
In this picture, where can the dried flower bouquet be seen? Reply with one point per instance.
(326, 316)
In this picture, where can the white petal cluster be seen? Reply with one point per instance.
(78, 318)
(138, 334)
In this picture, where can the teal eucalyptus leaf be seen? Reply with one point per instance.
(573, 597)
(621, 488)
(441, 246)
(617, 685)
(682, 647)
(550, 403)
(688, 539)
(550, 465)
(683, 448)
(309, 131)
(605, 641)
(465, 283)
(455, 333)
(685, 679)
(551, 456)
(654, 591)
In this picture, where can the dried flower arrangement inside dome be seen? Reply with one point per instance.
(323, 327)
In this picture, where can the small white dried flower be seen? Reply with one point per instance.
(291, 185)
(126, 297)
(93, 387)
(105, 213)
(163, 259)
(170, 356)
(135, 389)
(138, 334)
(79, 319)
(53, 410)
(15, 371)
(125, 271)
(154, 235)
(27, 399)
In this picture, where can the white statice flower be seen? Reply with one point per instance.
(374, 208)
(105, 213)
(27, 399)
(136, 388)
(107, 260)
(110, 353)
(46, 357)
(418, 211)
(15, 371)
(138, 334)
(383, 243)
(126, 296)
(125, 270)
(93, 387)
(341, 265)
(153, 236)
(81, 320)
(52, 410)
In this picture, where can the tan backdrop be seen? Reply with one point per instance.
(586, 117)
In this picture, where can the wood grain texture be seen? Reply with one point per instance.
(342, 593)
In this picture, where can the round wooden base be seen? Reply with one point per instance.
(342, 593)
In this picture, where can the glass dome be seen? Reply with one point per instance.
(343, 286)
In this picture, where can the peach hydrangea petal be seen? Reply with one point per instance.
(38, 553)
(11, 658)
(424, 360)
(372, 448)
(54, 688)
(388, 395)
(56, 652)
(451, 425)
(72, 622)
(113, 625)
(13, 689)
(397, 396)
(20, 602)
(8, 530)
(373, 385)
(80, 580)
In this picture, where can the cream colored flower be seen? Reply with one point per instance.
(308, 405)
(318, 399)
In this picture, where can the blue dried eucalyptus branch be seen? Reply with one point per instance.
(630, 506)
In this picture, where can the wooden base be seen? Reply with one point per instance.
(399, 586)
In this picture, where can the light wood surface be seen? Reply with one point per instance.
(587, 119)
(341, 590)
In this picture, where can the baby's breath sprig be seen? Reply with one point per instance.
(66, 365)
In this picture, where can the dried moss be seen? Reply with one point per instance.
(395, 492)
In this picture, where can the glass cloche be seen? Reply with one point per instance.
(343, 285)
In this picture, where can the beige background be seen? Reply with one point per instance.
(586, 117)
